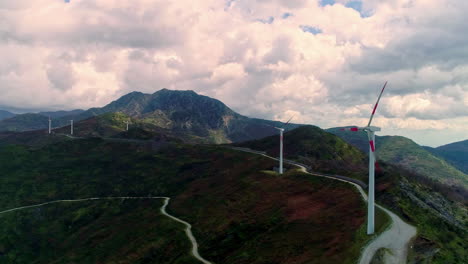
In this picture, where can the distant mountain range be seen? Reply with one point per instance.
(58, 114)
(406, 153)
(201, 118)
(5, 114)
(455, 153)
(31, 121)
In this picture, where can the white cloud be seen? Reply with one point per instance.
(245, 53)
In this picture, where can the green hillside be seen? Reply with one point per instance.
(117, 231)
(438, 210)
(404, 152)
(455, 153)
(24, 122)
(322, 151)
(239, 209)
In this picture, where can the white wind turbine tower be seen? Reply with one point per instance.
(71, 127)
(50, 126)
(281, 130)
(127, 122)
(370, 130)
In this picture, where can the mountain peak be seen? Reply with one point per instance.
(168, 91)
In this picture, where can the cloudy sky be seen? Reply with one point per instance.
(321, 61)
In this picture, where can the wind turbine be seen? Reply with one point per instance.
(370, 130)
(50, 126)
(127, 122)
(71, 127)
(281, 130)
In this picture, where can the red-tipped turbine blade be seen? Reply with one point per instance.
(354, 129)
(376, 104)
(372, 146)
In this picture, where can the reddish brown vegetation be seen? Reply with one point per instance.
(289, 219)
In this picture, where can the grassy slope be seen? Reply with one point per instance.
(438, 211)
(404, 152)
(270, 219)
(321, 150)
(91, 232)
(455, 153)
(234, 203)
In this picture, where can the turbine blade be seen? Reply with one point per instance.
(376, 104)
(354, 129)
(288, 121)
(372, 152)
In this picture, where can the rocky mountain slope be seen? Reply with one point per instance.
(203, 118)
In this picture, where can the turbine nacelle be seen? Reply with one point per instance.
(371, 128)
(366, 129)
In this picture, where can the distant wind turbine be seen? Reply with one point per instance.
(281, 130)
(50, 126)
(71, 127)
(370, 130)
(127, 122)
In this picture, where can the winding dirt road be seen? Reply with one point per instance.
(188, 227)
(396, 238)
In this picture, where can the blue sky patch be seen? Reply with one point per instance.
(310, 29)
(356, 5)
(286, 15)
(327, 2)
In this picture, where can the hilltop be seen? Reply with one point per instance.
(316, 148)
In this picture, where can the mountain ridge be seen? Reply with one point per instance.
(455, 153)
(6, 114)
(207, 119)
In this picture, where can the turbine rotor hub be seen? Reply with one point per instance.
(371, 129)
